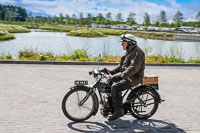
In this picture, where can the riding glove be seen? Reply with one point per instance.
(105, 70)
(117, 77)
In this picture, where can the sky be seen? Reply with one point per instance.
(189, 8)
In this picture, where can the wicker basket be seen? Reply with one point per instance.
(150, 80)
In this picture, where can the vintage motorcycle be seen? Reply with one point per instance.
(81, 102)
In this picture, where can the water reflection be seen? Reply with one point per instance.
(59, 43)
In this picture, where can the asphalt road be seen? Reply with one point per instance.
(31, 96)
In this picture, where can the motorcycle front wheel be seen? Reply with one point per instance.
(72, 107)
(144, 104)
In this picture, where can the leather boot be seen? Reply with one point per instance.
(119, 112)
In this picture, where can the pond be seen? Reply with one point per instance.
(58, 43)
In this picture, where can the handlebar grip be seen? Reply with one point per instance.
(104, 71)
(90, 72)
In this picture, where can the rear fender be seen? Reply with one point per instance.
(135, 90)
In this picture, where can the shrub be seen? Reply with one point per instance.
(78, 54)
(9, 57)
(28, 55)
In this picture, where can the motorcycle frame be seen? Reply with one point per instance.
(92, 91)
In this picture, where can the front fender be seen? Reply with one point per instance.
(80, 86)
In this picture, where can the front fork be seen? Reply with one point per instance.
(91, 93)
(86, 97)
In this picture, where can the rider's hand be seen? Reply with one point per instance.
(117, 77)
(105, 70)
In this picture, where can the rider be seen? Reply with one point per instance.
(128, 73)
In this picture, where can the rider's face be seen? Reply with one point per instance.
(124, 44)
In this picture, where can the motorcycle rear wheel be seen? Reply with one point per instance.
(71, 105)
(144, 104)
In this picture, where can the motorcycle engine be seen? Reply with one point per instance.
(104, 88)
(107, 108)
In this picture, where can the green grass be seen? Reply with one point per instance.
(154, 35)
(13, 28)
(86, 33)
(29, 25)
(110, 31)
(58, 28)
(194, 61)
(4, 35)
(162, 59)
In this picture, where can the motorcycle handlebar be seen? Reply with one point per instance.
(95, 72)
(104, 71)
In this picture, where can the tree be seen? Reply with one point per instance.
(55, 19)
(89, 19)
(147, 20)
(198, 16)
(61, 18)
(157, 23)
(12, 13)
(8, 16)
(67, 19)
(100, 19)
(30, 17)
(178, 19)
(131, 19)
(21, 14)
(119, 18)
(163, 18)
(73, 19)
(81, 19)
(108, 18)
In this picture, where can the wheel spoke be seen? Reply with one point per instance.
(146, 99)
(78, 100)
(86, 107)
(150, 104)
(143, 104)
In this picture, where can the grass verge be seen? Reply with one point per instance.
(81, 55)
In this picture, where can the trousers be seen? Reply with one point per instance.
(116, 93)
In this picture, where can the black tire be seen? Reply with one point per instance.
(73, 104)
(136, 105)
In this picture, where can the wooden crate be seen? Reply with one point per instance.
(150, 79)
